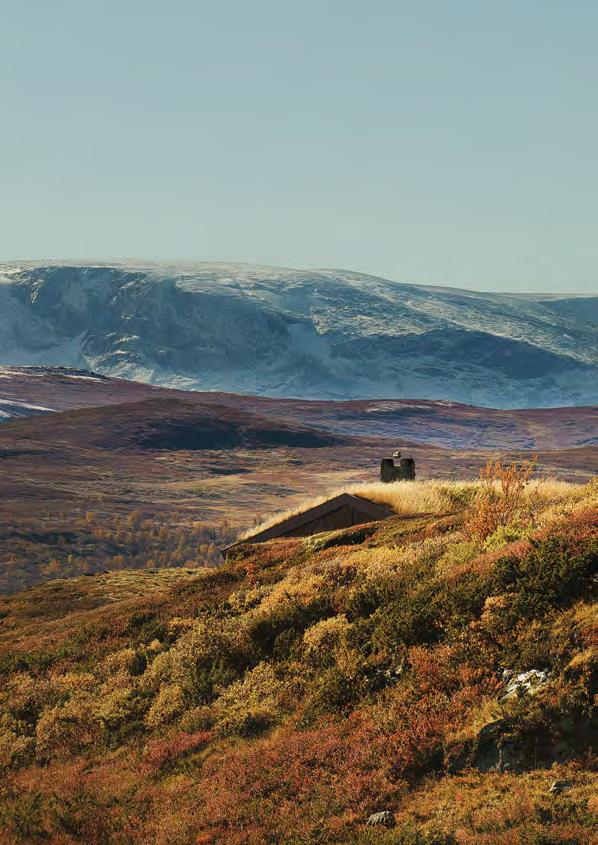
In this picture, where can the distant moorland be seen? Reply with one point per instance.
(102, 474)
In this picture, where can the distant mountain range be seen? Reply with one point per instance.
(324, 334)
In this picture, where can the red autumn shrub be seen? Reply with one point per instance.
(162, 754)
(298, 781)
(443, 669)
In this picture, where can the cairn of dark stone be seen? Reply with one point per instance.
(389, 471)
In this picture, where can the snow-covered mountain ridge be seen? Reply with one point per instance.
(300, 333)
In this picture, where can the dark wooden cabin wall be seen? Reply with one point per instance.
(343, 517)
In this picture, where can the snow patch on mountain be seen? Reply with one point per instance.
(313, 334)
(11, 408)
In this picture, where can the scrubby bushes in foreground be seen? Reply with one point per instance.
(289, 695)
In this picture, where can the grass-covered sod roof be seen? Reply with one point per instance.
(409, 498)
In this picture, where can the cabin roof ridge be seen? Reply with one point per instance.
(369, 511)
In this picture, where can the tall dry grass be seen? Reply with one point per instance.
(412, 498)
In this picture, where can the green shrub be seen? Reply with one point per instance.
(293, 617)
(251, 705)
(546, 578)
(147, 627)
(168, 704)
(208, 676)
(333, 692)
(505, 534)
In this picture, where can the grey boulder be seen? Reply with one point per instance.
(382, 819)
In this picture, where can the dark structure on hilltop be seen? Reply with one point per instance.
(342, 511)
(389, 472)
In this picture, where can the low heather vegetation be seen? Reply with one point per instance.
(439, 666)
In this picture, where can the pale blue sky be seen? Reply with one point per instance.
(438, 142)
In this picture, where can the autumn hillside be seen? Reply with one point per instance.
(439, 668)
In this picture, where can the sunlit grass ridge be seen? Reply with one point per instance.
(409, 498)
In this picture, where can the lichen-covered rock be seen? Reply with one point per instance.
(559, 786)
(382, 819)
(524, 683)
(492, 749)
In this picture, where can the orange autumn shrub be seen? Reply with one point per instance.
(500, 495)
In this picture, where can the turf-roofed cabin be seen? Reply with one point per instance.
(342, 511)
